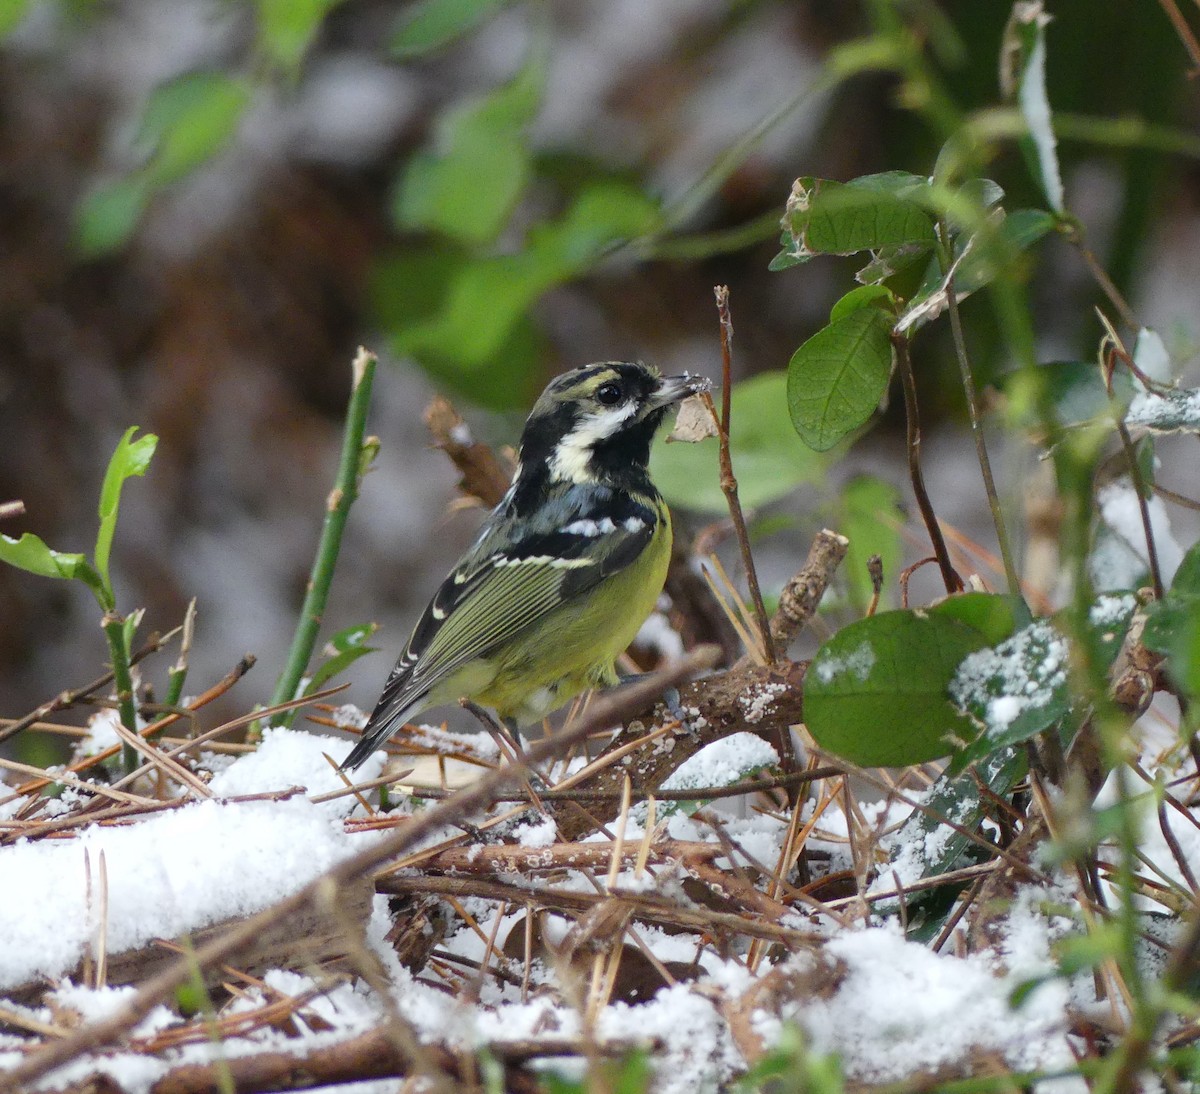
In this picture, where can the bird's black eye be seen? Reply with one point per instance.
(609, 394)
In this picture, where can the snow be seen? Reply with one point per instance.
(290, 757)
(888, 1008)
(858, 663)
(1119, 508)
(1166, 412)
(171, 873)
(723, 762)
(1025, 672)
(900, 1009)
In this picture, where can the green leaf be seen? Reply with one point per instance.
(430, 24)
(926, 846)
(837, 378)
(863, 297)
(130, 459)
(1024, 58)
(340, 652)
(871, 520)
(979, 257)
(1016, 232)
(1014, 690)
(467, 184)
(31, 554)
(286, 28)
(12, 15)
(189, 120)
(866, 214)
(876, 692)
(769, 460)
(108, 215)
(484, 300)
(1173, 625)
(993, 615)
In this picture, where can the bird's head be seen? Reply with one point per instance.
(597, 422)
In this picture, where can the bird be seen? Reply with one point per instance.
(563, 571)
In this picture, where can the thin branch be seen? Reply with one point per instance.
(729, 483)
(981, 452)
(950, 579)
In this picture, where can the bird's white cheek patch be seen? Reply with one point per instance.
(570, 460)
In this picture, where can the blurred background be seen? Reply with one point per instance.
(207, 205)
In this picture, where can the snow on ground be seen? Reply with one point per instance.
(888, 1007)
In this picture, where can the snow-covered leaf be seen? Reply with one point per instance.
(1014, 690)
(1172, 411)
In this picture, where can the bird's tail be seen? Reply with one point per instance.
(388, 714)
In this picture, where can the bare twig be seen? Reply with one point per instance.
(802, 594)
(482, 476)
(981, 452)
(728, 482)
(950, 579)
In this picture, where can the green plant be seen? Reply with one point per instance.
(130, 460)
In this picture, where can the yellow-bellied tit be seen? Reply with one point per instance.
(565, 568)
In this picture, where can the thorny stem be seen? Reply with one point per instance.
(981, 452)
(729, 483)
(351, 468)
(950, 578)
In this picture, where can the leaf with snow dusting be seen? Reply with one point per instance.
(1013, 690)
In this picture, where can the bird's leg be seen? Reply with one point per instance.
(670, 696)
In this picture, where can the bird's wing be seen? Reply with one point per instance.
(499, 590)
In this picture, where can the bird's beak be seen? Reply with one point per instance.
(674, 389)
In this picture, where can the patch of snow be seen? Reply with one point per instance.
(723, 763)
(1024, 672)
(292, 757)
(169, 874)
(901, 1009)
(858, 663)
(1119, 508)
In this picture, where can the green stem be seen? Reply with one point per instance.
(177, 674)
(118, 653)
(341, 497)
